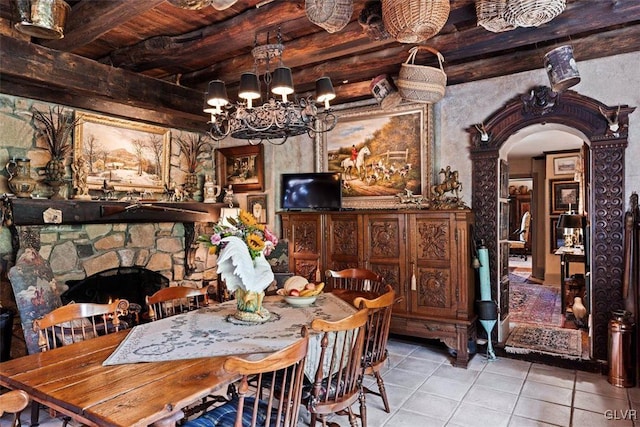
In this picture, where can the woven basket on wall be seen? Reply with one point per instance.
(490, 15)
(332, 15)
(420, 83)
(416, 20)
(532, 13)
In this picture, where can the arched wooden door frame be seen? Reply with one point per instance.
(606, 196)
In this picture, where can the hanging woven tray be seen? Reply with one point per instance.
(490, 15)
(532, 13)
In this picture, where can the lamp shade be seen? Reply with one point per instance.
(570, 221)
(249, 86)
(217, 94)
(324, 89)
(282, 81)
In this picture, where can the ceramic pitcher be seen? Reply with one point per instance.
(20, 181)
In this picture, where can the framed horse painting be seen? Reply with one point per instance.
(382, 155)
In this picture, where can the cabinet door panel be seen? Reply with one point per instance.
(433, 240)
(343, 241)
(385, 252)
(304, 232)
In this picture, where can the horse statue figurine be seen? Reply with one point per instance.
(348, 164)
(449, 183)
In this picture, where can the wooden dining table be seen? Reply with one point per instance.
(74, 381)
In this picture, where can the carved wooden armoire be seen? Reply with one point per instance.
(434, 247)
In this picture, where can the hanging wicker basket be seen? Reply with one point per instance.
(332, 15)
(532, 13)
(416, 20)
(490, 15)
(420, 83)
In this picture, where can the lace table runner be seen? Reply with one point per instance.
(212, 331)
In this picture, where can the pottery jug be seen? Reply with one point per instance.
(20, 181)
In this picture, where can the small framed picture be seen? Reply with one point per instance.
(565, 165)
(242, 167)
(257, 205)
(556, 237)
(565, 196)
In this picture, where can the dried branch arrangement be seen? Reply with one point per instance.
(56, 126)
(192, 146)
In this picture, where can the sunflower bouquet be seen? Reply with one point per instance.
(257, 237)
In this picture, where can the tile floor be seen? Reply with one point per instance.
(425, 390)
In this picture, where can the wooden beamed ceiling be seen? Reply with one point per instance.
(152, 61)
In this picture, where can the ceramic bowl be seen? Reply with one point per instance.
(300, 301)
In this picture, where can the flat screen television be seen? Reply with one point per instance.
(311, 191)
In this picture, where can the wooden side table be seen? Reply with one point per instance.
(567, 256)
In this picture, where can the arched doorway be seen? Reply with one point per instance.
(608, 140)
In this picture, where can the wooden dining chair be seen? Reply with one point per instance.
(13, 402)
(78, 322)
(375, 344)
(354, 279)
(338, 372)
(73, 323)
(269, 391)
(176, 299)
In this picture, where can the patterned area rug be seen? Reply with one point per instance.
(534, 303)
(520, 275)
(526, 339)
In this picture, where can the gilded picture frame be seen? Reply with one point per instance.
(123, 155)
(241, 167)
(566, 165)
(394, 154)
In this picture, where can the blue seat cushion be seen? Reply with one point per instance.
(225, 415)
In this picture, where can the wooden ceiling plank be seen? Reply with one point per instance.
(228, 36)
(457, 46)
(91, 19)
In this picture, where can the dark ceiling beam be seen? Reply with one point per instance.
(91, 19)
(212, 41)
(89, 83)
(623, 40)
(348, 56)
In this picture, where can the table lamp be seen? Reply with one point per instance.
(571, 222)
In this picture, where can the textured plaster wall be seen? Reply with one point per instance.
(613, 80)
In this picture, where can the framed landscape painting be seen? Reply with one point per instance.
(380, 154)
(123, 155)
(565, 196)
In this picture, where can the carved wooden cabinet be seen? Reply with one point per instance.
(434, 247)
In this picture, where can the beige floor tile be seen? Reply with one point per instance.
(429, 405)
(598, 384)
(459, 374)
(551, 375)
(404, 418)
(548, 393)
(445, 387)
(421, 366)
(493, 399)
(509, 367)
(470, 415)
(582, 418)
(526, 422)
(500, 382)
(598, 403)
(543, 411)
(404, 378)
(433, 353)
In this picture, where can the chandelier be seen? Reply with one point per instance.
(276, 119)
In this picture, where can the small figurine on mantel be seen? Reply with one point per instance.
(228, 196)
(449, 183)
(80, 169)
